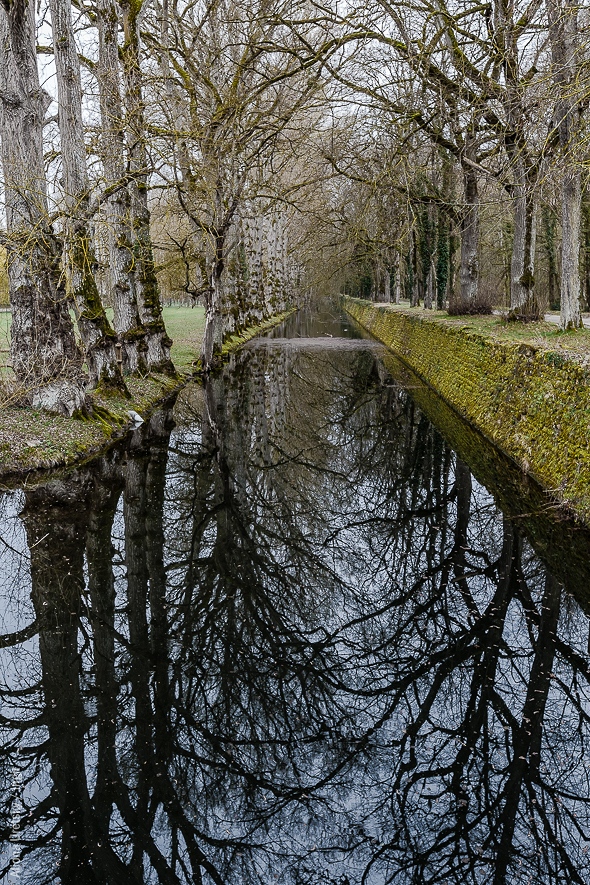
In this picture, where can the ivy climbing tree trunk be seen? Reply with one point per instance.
(98, 336)
(45, 358)
(148, 294)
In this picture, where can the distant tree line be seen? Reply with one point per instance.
(467, 157)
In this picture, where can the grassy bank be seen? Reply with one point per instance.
(526, 388)
(185, 326)
(32, 440)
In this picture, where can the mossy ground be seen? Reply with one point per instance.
(31, 440)
(526, 388)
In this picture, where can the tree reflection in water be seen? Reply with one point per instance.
(294, 642)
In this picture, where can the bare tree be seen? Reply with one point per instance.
(232, 82)
(45, 356)
(148, 294)
(565, 50)
(121, 269)
(97, 334)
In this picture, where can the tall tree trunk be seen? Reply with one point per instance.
(127, 320)
(148, 293)
(253, 242)
(548, 243)
(397, 297)
(431, 297)
(570, 316)
(586, 248)
(96, 332)
(563, 34)
(45, 358)
(386, 285)
(523, 303)
(442, 262)
(469, 270)
(213, 335)
(377, 288)
(415, 291)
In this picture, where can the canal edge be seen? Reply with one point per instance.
(82, 439)
(532, 403)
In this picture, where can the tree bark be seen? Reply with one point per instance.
(548, 242)
(586, 249)
(415, 290)
(98, 337)
(213, 335)
(148, 293)
(45, 358)
(127, 319)
(386, 285)
(523, 303)
(442, 262)
(571, 197)
(377, 288)
(469, 269)
(563, 35)
(253, 242)
(429, 293)
(398, 279)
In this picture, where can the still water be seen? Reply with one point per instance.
(285, 635)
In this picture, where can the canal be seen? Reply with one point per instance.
(291, 631)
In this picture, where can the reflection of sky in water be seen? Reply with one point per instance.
(14, 563)
(294, 641)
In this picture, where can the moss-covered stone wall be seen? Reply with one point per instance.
(530, 402)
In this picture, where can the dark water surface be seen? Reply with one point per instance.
(285, 635)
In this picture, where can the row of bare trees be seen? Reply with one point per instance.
(468, 134)
(395, 148)
(52, 261)
(186, 101)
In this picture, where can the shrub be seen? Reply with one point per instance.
(480, 306)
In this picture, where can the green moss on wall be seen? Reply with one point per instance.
(530, 402)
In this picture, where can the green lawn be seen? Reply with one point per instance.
(185, 326)
(540, 334)
(4, 336)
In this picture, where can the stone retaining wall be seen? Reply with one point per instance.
(532, 403)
